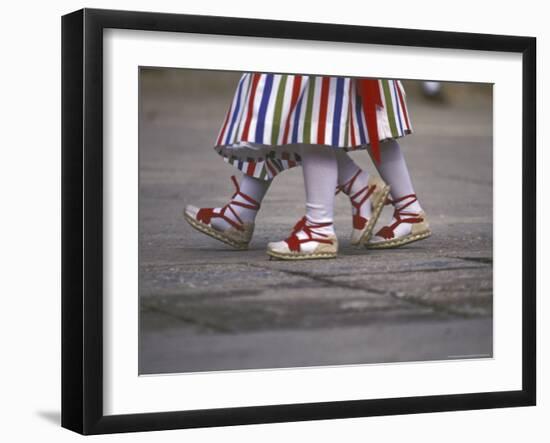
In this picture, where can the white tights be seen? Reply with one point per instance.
(393, 170)
(323, 169)
(255, 189)
(320, 169)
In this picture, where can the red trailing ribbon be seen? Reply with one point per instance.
(370, 98)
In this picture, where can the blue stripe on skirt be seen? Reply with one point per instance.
(359, 118)
(235, 113)
(297, 119)
(263, 108)
(337, 110)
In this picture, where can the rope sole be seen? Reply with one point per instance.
(397, 242)
(322, 255)
(205, 229)
(371, 223)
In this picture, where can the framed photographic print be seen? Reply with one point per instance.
(269, 221)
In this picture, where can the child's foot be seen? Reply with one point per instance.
(367, 195)
(409, 224)
(307, 241)
(232, 224)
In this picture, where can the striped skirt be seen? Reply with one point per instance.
(272, 114)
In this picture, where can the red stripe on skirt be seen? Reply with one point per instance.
(323, 105)
(255, 80)
(270, 167)
(294, 99)
(403, 107)
(222, 133)
(250, 169)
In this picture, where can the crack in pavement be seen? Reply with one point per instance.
(329, 282)
(185, 319)
(402, 298)
(484, 260)
(407, 271)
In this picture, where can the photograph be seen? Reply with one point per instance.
(295, 220)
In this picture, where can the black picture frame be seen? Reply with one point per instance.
(82, 220)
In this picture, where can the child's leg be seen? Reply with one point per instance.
(367, 196)
(233, 223)
(320, 170)
(313, 237)
(409, 221)
(349, 173)
(394, 171)
(254, 189)
(347, 168)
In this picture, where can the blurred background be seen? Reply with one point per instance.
(204, 306)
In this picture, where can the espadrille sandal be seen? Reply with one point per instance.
(387, 237)
(238, 234)
(305, 243)
(375, 193)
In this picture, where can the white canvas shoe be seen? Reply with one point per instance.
(306, 242)
(406, 226)
(238, 233)
(374, 194)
